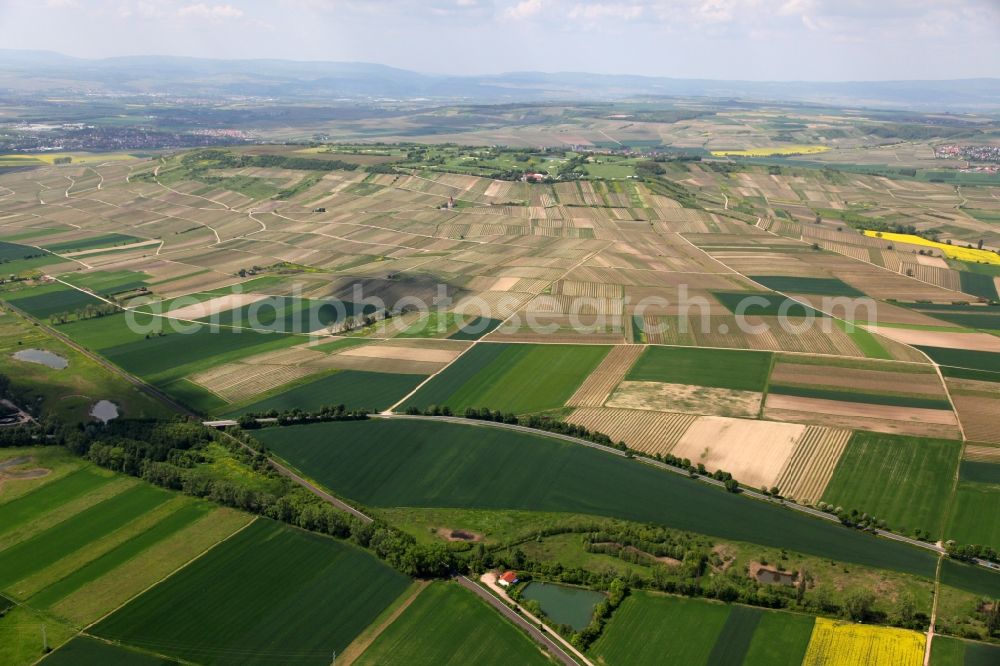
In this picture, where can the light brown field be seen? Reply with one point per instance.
(599, 384)
(686, 398)
(972, 341)
(649, 432)
(215, 306)
(810, 467)
(754, 452)
(402, 353)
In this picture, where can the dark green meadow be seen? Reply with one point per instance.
(807, 285)
(423, 463)
(720, 368)
(764, 304)
(87, 651)
(268, 594)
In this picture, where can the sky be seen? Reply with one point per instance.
(812, 40)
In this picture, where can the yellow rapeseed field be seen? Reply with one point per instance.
(773, 150)
(836, 643)
(32, 159)
(971, 255)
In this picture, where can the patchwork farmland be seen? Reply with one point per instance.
(668, 377)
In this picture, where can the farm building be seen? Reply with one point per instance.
(507, 579)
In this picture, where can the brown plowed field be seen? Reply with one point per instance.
(811, 466)
(976, 453)
(649, 432)
(603, 380)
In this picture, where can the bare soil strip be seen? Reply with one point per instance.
(686, 398)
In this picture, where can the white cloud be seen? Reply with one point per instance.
(201, 10)
(596, 12)
(524, 9)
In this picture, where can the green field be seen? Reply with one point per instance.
(853, 395)
(781, 639)
(733, 642)
(86, 572)
(104, 240)
(658, 629)
(975, 514)
(107, 283)
(447, 624)
(969, 577)
(268, 593)
(865, 341)
(958, 360)
(50, 299)
(807, 285)
(425, 463)
(979, 472)
(978, 284)
(721, 368)
(87, 651)
(42, 550)
(512, 378)
(354, 389)
(31, 506)
(164, 360)
(905, 481)
(947, 651)
(764, 305)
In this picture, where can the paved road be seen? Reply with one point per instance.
(516, 618)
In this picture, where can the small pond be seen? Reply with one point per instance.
(104, 411)
(564, 604)
(43, 357)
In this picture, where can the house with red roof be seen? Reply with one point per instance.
(507, 579)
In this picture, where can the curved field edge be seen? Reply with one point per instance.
(427, 464)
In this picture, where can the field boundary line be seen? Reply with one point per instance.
(356, 649)
(170, 575)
